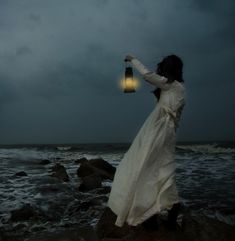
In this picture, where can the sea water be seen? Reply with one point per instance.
(205, 178)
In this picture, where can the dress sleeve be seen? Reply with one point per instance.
(150, 76)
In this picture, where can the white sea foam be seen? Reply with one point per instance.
(63, 148)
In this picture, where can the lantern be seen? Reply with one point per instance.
(129, 82)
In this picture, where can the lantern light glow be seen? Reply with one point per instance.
(129, 83)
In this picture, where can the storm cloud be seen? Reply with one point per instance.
(61, 63)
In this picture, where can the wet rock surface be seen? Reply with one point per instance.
(90, 182)
(81, 160)
(44, 162)
(191, 228)
(26, 212)
(20, 174)
(86, 233)
(96, 166)
(59, 172)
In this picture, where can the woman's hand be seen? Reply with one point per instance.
(129, 57)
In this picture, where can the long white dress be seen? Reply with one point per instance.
(144, 182)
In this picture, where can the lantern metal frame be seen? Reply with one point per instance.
(129, 75)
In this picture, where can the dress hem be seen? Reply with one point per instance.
(144, 217)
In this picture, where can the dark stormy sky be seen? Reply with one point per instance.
(61, 62)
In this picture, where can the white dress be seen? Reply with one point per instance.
(144, 182)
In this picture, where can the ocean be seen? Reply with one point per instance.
(205, 176)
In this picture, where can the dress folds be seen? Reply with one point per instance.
(144, 182)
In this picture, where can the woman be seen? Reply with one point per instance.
(144, 183)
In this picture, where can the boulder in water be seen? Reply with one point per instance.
(24, 213)
(21, 174)
(59, 172)
(85, 170)
(106, 229)
(103, 165)
(44, 162)
(98, 166)
(81, 160)
(90, 182)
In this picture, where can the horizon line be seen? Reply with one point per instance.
(100, 143)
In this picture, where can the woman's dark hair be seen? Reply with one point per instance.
(170, 67)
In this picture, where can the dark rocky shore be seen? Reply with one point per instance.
(190, 225)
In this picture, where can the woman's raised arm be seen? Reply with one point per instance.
(149, 76)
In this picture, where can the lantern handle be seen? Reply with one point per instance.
(128, 63)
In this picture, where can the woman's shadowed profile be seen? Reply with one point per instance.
(170, 67)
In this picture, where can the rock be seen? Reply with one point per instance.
(85, 170)
(20, 174)
(203, 228)
(105, 228)
(2, 236)
(24, 213)
(44, 162)
(90, 182)
(103, 165)
(194, 228)
(98, 166)
(81, 160)
(59, 172)
(226, 210)
(85, 233)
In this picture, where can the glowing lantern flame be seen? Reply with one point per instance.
(129, 84)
